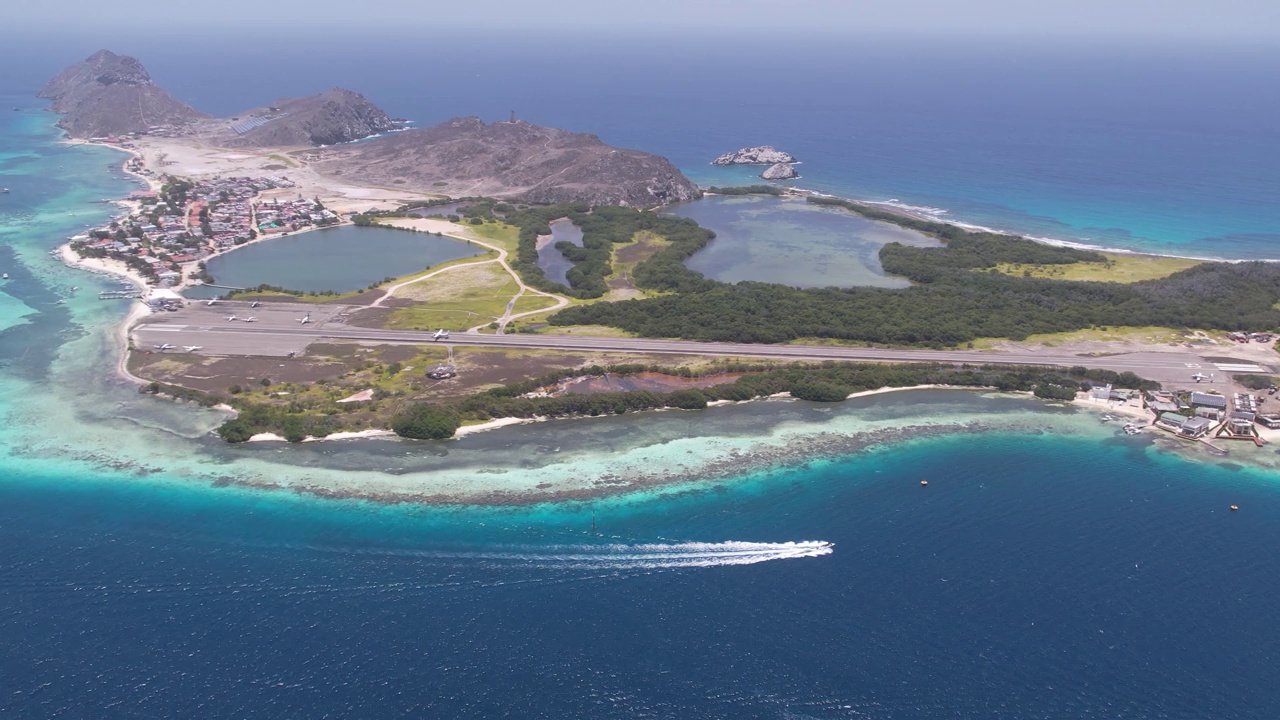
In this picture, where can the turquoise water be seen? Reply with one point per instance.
(791, 242)
(1052, 568)
(340, 259)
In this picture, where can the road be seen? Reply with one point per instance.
(276, 331)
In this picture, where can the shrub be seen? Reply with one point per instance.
(819, 391)
(687, 400)
(426, 421)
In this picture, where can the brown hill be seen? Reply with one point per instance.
(111, 94)
(332, 117)
(466, 157)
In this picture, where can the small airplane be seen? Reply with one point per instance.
(1199, 377)
(305, 319)
(233, 317)
(251, 319)
(255, 304)
(192, 348)
(293, 353)
(164, 347)
(212, 301)
(440, 334)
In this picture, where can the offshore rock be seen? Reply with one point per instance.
(109, 94)
(762, 155)
(519, 160)
(780, 171)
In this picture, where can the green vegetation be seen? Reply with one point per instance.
(426, 421)
(1117, 267)
(825, 382)
(748, 190)
(602, 229)
(1257, 382)
(959, 296)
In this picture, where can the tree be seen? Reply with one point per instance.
(687, 400)
(426, 421)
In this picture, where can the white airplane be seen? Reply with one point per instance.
(255, 304)
(164, 347)
(440, 334)
(1199, 377)
(251, 319)
(192, 348)
(305, 319)
(233, 317)
(212, 301)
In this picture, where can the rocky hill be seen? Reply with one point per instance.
(762, 155)
(780, 171)
(332, 117)
(466, 157)
(111, 94)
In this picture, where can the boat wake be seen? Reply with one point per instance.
(647, 556)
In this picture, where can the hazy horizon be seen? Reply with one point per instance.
(1135, 19)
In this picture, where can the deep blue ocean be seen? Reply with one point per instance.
(1037, 576)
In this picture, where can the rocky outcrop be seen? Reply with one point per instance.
(111, 94)
(332, 117)
(780, 171)
(466, 157)
(763, 155)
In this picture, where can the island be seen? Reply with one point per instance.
(761, 155)
(780, 171)
(489, 338)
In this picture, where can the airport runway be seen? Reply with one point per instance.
(276, 330)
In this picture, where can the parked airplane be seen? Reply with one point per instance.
(305, 319)
(233, 317)
(212, 301)
(251, 319)
(164, 347)
(1198, 377)
(255, 304)
(192, 348)
(441, 334)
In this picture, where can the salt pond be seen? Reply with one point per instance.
(340, 259)
(789, 241)
(553, 263)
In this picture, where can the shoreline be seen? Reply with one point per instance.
(914, 212)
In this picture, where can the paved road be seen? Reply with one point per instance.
(278, 332)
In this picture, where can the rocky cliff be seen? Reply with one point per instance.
(332, 117)
(466, 157)
(111, 94)
(762, 155)
(780, 171)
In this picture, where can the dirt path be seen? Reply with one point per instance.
(507, 316)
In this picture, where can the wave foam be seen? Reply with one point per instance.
(647, 556)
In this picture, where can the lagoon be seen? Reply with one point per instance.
(789, 241)
(340, 259)
(555, 266)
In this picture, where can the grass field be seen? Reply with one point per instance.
(1119, 268)
(456, 300)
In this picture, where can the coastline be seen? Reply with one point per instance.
(927, 214)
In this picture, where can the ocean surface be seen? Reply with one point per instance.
(1052, 568)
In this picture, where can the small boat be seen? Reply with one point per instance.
(4, 191)
(1235, 508)
(4, 276)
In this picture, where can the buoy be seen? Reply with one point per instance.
(1235, 508)
(924, 482)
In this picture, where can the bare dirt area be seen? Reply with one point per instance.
(650, 381)
(218, 375)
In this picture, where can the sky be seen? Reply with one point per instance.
(1206, 19)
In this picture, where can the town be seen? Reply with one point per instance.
(167, 234)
